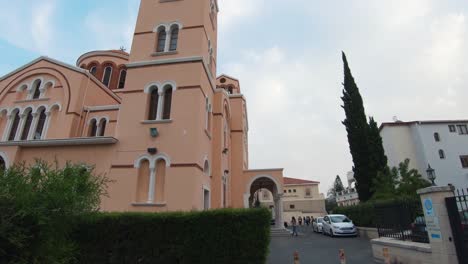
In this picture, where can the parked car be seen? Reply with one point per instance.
(317, 224)
(338, 225)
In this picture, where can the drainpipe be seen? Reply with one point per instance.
(80, 131)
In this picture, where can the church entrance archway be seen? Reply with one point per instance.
(253, 193)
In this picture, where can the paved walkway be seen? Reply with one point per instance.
(319, 249)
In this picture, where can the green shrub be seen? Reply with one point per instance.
(38, 204)
(219, 236)
(366, 215)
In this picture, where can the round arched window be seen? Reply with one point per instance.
(2, 164)
(206, 168)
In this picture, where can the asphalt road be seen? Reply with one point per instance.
(319, 249)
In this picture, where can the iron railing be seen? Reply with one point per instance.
(403, 220)
(457, 209)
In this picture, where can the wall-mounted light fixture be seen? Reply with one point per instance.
(154, 132)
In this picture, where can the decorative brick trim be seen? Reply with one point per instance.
(187, 165)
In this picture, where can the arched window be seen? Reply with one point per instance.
(162, 35)
(93, 70)
(2, 164)
(27, 126)
(167, 103)
(93, 128)
(436, 137)
(40, 125)
(174, 38)
(230, 90)
(14, 127)
(441, 154)
(151, 179)
(36, 89)
(107, 76)
(153, 104)
(122, 78)
(206, 168)
(102, 127)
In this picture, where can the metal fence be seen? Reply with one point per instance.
(457, 209)
(403, 220)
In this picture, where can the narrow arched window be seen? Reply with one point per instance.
(162, 35)
(40, 125)
(93, 128)
(93, 70)
(14, 126)
(441, 154)
(2, 164)
(27, 126)
(167, 103)
(230, 90)
(122, 78)
(174, 38)
(206, 168)
(37, 90)
(436, 137)
(153, 104)
(102, 127)
(107, 76)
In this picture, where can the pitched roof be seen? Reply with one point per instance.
(294, 181)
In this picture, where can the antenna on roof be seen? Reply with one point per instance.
(395, 119)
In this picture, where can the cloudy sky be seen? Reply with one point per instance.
(408, 57)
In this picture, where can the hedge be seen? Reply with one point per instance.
(366, 215)
(218, 236)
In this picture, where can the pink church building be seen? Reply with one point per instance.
(157, 121)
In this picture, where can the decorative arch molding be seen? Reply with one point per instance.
(167, 26)
(4, 156)
(161, 87)
(249, 185)
(54, 73)
(98, 119)
(152, 159)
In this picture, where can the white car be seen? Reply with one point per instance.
(317, 224)
(338, 225)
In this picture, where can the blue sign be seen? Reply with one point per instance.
(435, 236)
(428, 207)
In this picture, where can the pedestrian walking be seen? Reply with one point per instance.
(300, 220)
(294, 226)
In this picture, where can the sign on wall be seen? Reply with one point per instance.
(432, 221)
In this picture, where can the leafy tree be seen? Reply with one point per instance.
(358, 134)
(38, 206)
(400, 182)
(410, 180)
(338, 186)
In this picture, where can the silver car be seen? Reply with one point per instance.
(317, 224)
(338, 225)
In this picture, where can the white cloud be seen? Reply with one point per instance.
(111, 31)
(29, 26)
(234, 11)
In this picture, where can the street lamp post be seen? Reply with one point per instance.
(431, 174)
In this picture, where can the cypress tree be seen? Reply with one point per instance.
(377, 152)
(358, 134)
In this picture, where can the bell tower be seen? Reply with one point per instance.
(176, 29)
(166, 104)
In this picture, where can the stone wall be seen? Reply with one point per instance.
(402, 252)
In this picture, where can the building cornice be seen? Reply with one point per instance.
(173, 61)
(102, 108)
(62, 142)
(101, 53)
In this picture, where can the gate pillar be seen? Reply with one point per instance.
(438, 223)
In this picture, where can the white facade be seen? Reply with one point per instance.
(347, 197)
(417, 141)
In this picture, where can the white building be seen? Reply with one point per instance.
(349, 196)
(442, 144)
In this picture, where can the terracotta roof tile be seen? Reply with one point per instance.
(291, 181)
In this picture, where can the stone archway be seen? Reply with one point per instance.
(266, 182)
